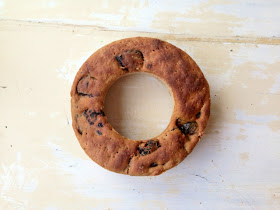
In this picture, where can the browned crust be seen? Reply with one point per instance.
(140, 54)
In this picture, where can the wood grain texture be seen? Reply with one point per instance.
(43, 44)
(201, 17)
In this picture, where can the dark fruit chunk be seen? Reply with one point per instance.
(85, 85)
(148, 147)
(130, 59)
(187, 128)
(99, 125)
(120, 60)
(149, 66)
(153, 165)
(98, 132)
(91, 116)
(80, 130)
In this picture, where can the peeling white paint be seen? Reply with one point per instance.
(276, 86)
(50, 208)
(54, 115)
(107, 17)
(259, 74)
(32, 114)
(2, 4)
(261, 55)
(264, 101)
(15, 179)
(240, 115)
(70, 68)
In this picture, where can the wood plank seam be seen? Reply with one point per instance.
(169, 36)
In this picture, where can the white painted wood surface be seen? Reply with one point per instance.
(236, 44)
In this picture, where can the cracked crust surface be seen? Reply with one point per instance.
(173, 66)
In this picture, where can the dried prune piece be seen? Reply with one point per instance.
(84, 87)
(130, 59)
(80, 130)
(143, 151)
(91, 116)
(120, 61)
(100, 125)
(149, 66)
(85, 113)
(153, 165)
(187, 128)
(148, 147)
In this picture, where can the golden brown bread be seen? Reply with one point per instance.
(108, 148)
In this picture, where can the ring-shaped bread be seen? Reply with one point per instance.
(170, 64)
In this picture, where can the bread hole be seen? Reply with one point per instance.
(139, 106)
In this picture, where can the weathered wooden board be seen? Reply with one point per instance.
(236, 164)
